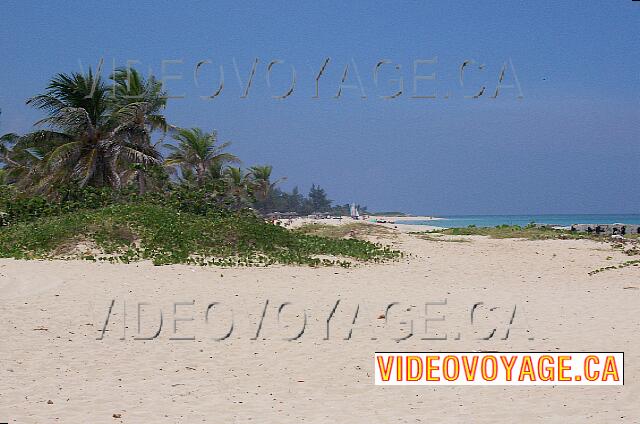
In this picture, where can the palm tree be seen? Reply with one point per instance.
(15, 159)
(199, 152)
(88, 134)
(262, 180)
(239, 186)
(130, 87)
(7, 141)
(19, 161)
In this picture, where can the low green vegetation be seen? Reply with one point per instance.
(529, 232)
(166, 235)
(634, 262)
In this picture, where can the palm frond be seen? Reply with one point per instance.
(72, 120)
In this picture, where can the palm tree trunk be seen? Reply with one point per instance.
(141, 184)
(200, 171)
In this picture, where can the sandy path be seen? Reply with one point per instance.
(52, 313)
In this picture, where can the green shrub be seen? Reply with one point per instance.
(166, 235)
(17, 207)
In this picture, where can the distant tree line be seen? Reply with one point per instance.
(316, 200)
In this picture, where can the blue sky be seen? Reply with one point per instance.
(570, 145)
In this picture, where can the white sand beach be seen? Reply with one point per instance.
(53, 368)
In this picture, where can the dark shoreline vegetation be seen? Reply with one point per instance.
(529, 232)
(96, 180)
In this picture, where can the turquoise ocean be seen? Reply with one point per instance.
(461, 221)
